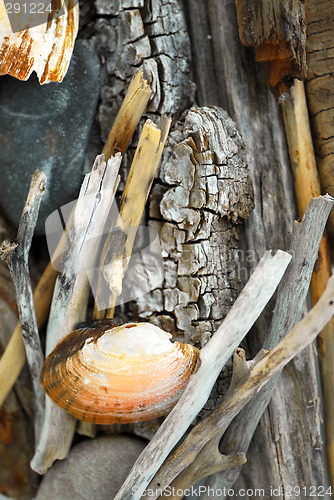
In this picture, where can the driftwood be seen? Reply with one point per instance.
(16, 256)
(320, 91)
(213, 357)
(307, 186)
(16, 414)
(118, 247)
(201, 445)
(292, 290)
(71, 294)
(277, 30)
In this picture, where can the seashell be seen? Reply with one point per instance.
(116, 373)
(46, 48)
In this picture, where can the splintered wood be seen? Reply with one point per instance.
(71, 295)
(118, 247)
(277, 30)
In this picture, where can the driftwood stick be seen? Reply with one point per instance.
(118, 247)
(14, 357)
(189, 453)
(213, 357)
(127, 119)
(292, 290)
(296, 121)
(291, 295)
(16, 256)
(71, 294)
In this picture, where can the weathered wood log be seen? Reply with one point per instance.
(227, 75)
(307, 186)
(320, 91)
(277, 30)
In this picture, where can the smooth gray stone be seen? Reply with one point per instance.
(94, 469)
(46, 127)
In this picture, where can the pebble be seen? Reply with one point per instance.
(94, 469)
(46, 127)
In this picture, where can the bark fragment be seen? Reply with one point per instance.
(277, 30)
(201, 195)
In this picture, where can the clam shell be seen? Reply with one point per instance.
(46, 48)
(118, 373)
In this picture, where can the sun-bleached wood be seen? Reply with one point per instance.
(244, 312)
(71, 294)
(195, 450)
(307, 184)
(118, 247)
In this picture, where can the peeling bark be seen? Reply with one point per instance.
(277, 30)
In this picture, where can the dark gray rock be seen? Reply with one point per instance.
(94, 469)
(46, 127)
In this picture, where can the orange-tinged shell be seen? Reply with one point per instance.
(46, 48)
(118, 373)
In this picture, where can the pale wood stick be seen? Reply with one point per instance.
(244, 312)
(71, 294)
(296, 120)
(118, 247)
(289, 308)
(134, 105)
(191, 452)
(16, 256)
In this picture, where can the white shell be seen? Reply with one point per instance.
(115, 373)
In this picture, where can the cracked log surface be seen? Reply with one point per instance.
(202, 193)
(320, 91)
(125, 34)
